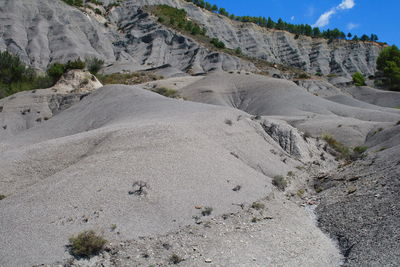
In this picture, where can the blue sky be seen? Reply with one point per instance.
(355, 16)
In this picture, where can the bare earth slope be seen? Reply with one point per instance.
(75, 171)
(347, 119)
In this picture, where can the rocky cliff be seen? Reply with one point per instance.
(46, 31)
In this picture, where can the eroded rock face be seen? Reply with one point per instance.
(288, 138)
(27, 109)
(46, 31)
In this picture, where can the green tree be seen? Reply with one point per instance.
(388, 64)
(374, 38)
(223, 12)
(358, 79)
(364, 37)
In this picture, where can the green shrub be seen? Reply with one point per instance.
(360, 149)
(15, 76)
(94, 65)
(56, 70)
(2, 197)
(166, 92)
(238, 51)
(86, 244)
(343, 151)
(77, 3)
(358, 79)
(217, 43)
(280, 182)
(98, 11)
(12, 69)
(77, 64)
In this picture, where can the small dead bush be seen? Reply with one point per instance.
(139, 188)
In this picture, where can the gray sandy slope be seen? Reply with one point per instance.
(348, 119)
(376, 96)
(74, 172)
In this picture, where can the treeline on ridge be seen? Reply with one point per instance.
(300, 29)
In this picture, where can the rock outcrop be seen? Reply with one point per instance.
(27, 109)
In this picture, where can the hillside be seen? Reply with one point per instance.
(180, 152)
(42, 32)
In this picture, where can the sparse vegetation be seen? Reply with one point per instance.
(2, 197)
(176, 18)
(86, 244)
(206, 211)
(128, 78)
(77, 3)
(76, 64)
(113, 227)
(360, 149)
(15, 76)
(94, 65)
(167, 92)
(280, 182)
(303, 76)
(358, 79)
(217, 43)
(258, 205)
(300, 192)
(175, 259)
(342, 150)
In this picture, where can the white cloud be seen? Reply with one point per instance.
(292, 18)
(347, 4)
(352, 26)
(324, 19)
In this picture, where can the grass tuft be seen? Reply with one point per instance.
(280, 182)
(86, 244)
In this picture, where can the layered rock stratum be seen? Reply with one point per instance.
(43, 31)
